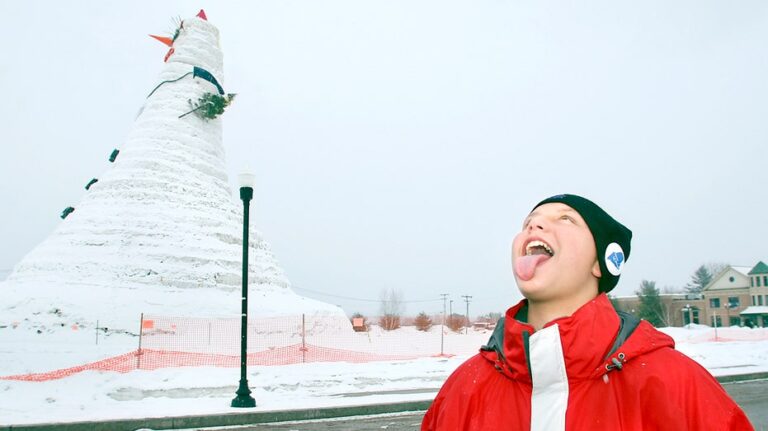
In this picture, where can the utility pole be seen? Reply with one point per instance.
(442, 328)
(466, 299)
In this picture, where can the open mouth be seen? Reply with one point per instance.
(535, 253)
(538, 247)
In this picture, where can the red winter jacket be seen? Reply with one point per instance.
(594, 370)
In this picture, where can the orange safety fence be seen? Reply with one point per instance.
(166, 342)
(156, 359)
(726, 334)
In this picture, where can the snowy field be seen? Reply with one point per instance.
(94, 395)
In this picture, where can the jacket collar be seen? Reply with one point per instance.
(587, 337)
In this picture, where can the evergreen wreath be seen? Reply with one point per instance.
(210, 105)
(179, 24)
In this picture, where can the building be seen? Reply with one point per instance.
(757, 313)
(736, 296)
(727, 296)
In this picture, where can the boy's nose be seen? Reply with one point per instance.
(537, 222)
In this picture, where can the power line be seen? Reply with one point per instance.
(349, 298)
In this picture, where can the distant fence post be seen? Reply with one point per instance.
(141, 333)
(303, 340)
(97, 332)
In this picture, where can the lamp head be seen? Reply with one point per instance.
(246, 182)
(246, 179)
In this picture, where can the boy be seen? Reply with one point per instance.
(564, 359)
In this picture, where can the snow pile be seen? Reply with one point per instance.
(160, 231)
(723, 351)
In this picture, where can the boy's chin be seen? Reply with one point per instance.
(533, 289)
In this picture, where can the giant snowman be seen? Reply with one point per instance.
(160, 232)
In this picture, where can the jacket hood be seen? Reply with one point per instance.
(596, 339)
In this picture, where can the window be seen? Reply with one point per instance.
(751, 282)
(733, 301)
(717, 321)
(731, 279)
(754, 300)
(714, 302)
(765, 280)
(735, 321)
(757, 281)
(759, 299)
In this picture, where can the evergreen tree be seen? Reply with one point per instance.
(700, 279)
(650, 304)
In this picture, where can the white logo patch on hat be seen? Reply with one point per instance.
(614, 258)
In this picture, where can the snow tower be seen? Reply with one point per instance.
(159, 232)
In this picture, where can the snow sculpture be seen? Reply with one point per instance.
(160, 232)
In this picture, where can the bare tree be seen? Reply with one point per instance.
(667, 290)
(715, 268)
(455, 322)
(423, 322)
(391, 308)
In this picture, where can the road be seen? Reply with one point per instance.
(752, 396)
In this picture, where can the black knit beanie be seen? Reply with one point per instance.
(612, 239)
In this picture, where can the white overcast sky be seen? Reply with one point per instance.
(399, 144)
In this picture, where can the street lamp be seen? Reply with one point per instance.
(244, 398)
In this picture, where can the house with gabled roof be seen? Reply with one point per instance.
(757, 313)
(727, 296)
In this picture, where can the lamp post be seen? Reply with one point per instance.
(244, 398)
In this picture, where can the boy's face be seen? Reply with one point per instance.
(554, 256)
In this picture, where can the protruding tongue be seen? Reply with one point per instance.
(525, 266)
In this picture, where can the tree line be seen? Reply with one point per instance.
(651, 307)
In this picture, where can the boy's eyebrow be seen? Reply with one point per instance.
(528, 217)
(561, 210)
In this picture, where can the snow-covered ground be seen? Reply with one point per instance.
(94, 395)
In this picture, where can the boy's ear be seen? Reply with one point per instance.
(596, 270)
